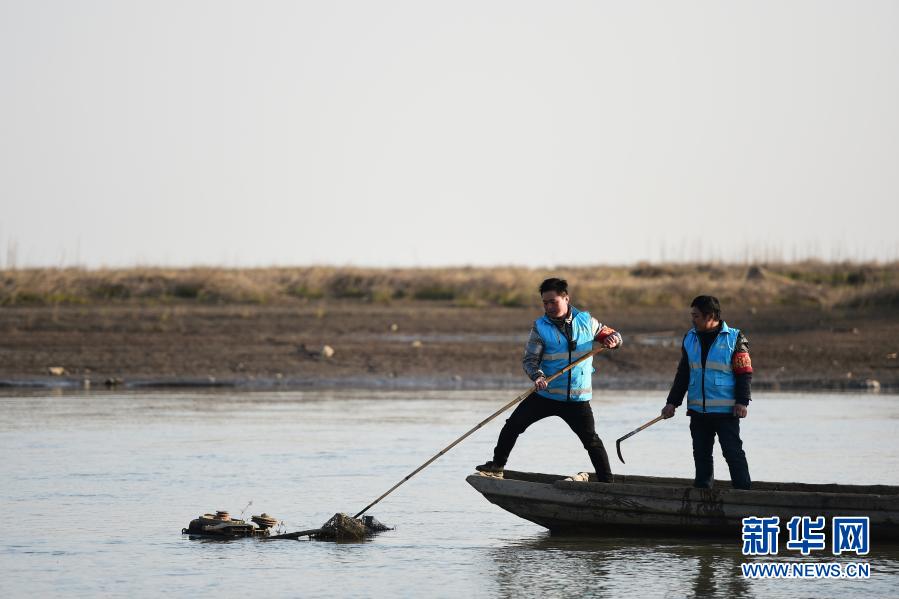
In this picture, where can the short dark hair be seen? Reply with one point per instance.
(708, 305)
(560, 286)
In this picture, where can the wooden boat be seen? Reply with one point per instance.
(672, 507)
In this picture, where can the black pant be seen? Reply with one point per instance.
(578, 415)
(703, 430)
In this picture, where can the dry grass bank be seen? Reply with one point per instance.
(448, 326)
(805, 284)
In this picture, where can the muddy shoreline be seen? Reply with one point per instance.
(413, 345)
(412, 384)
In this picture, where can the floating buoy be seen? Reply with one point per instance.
(265, 521)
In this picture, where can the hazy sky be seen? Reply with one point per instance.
(433, 133)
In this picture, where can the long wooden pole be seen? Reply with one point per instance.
(521, 397)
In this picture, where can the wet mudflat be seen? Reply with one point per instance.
(413, 345)
(96, 487)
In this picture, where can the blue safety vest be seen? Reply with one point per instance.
(576, 384)
(711, 388)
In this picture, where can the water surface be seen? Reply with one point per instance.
(96, 488)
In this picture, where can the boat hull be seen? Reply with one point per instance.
(672, 507)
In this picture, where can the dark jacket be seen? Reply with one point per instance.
(741, 363)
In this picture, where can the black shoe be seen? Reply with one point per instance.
(489, 468)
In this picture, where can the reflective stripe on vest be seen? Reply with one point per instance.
(556, 356)
(711, 388)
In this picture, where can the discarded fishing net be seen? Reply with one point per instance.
(339, 528)
(373, 525)
(342, 528)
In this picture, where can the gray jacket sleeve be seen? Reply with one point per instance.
(533, 355)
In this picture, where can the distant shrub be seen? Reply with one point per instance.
(66, 298)
(839, 274)
(434, 293)
(349, 287)
(110, 291)
(711, 270)
(381, 294)
(469, 301)
(799, 296)
(883, 298)
(304, 292)
(648, 271)
(510, 299)
(27, 298)
(856, 278)
(187, 290)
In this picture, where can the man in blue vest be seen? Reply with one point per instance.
(716, 374)
(558, 338)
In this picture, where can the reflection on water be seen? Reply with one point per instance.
(96, 488)
(653, 567)
(544, 565)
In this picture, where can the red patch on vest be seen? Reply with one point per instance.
(742, 363)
